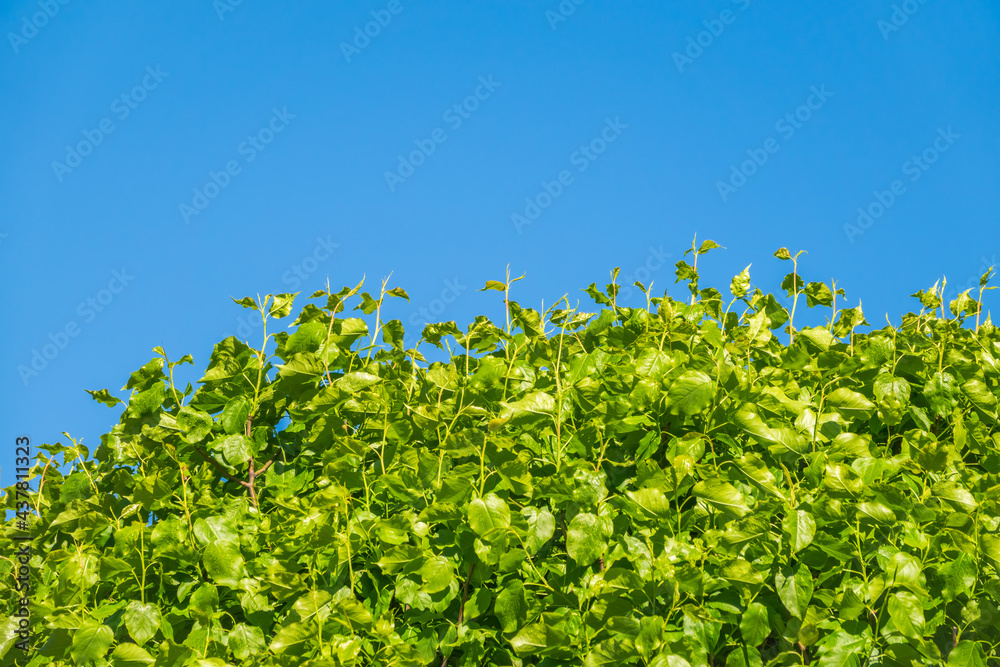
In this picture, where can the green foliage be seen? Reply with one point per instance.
(659, 486)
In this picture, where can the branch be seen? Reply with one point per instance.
(461, 609)
(218, 466)
(266, 466)
(253, 492)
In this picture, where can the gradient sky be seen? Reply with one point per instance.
(161, 158)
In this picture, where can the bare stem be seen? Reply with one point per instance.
(461, 610)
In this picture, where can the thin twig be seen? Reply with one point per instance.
(266, 466)
(461, 609)
(41, 484)
(218, 466)
(253, 492)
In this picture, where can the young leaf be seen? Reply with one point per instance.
(282, 305)
(104, 396)
(707, 245)
(740, 285)
(247, 302)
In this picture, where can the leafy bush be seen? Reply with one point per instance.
(667, 486)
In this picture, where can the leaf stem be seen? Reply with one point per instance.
(461, 609)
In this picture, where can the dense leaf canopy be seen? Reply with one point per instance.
(664, 486)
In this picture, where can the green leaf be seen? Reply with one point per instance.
(356, 381)
(541, 527)
(956, 494)
(401, 559)
(437, 573)
(820, 339)
(904, 569)
(91, 642)
(289, 637)
(234, 416)
(840, 477)
(104, 396)
(352, 614)
(534, 405)
(213, 529)
(795, 589)
(707, 245)
(311, 604)
(792, 284)
(204, 603)
(653, 501)
(753, 467)
(229, 359)
(840, 648)
(142, 621)
(754, 626)
(537, 638)
(494, 285)
(584, 540)
(877, 512)
(963, 304)
(985, 278)
(980, 394)
(990, 547)
(224, 563)
(800, 527)
(236, 448)
(195, 425)
(398, 292)
(818, 294)
(849, 402)
(690, 393)
(722, 496)
(967, 654)
(782, 253)
(246, 640)
(511, 606)
(941, 393)
(393, 333)
(907, 614)
(282, 305)
(959, 576)
(130, 655)
(488, 514)
(247, 302)
(740, 285)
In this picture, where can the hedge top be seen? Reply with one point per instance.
(659, 486)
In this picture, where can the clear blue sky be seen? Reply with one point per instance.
(623, 122)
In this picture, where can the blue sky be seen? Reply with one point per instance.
(159, 159)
